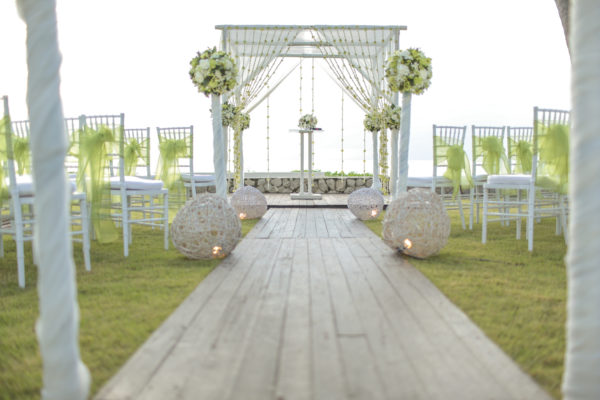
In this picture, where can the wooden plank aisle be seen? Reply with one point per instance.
(312, 305)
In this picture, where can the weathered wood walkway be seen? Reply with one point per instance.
(312, 305)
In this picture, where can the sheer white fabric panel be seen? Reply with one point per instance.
(582, 361)
(258, 53)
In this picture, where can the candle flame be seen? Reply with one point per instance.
(242, 215)
(407, 243)
(374, 212)
(217, 251)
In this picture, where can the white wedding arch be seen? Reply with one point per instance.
(354, 54)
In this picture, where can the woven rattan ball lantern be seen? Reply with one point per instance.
(365, 203)
(249, 203)
(206, 227)
(416, 223)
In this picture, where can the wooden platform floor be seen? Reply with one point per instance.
(312, 305)
(327, 200)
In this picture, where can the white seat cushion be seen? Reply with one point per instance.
(480, 178)
(135, 183)
(426, 181)
(517, 179)
(199, 178)
(25, 185)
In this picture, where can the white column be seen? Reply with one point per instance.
(218, 148)
(310, 149)
(394, 166)
(301, 162)
(404, 143)
(582, 361)
(64, 374)
(376, 183)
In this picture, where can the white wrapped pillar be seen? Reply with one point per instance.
(404, 143)
(376, 182)
(218, 147)
(394, 162)
(65, 377)
(582, 361)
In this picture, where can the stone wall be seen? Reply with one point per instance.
(323, 184)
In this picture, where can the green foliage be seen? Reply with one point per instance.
(516, 297)
(122, 301)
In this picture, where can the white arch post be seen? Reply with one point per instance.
(582, 361)
(404, 143)
(65, 376)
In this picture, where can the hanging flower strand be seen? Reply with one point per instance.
(374, 122)
(392, 115)
(408, 71)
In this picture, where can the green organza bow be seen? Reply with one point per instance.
(523, 156)
(94, 149)
(458, 170)
(170, 151)
(133, 152)
(553, 171)
(21, 154)
(491, 150)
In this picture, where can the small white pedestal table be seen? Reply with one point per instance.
(305, 195)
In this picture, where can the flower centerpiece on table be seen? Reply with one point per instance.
(307, 122)
(213, 72)
(408, 71)
(392, 115)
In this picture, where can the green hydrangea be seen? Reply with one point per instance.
(307, 121)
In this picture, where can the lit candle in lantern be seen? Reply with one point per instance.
(242, 215)
(374, 212)
(407, 244)
(216, 251)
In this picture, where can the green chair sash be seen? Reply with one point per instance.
(491, 150)
(94, 150)
(132, 152)
(458, 170)
(523, 156)
(171, 150)
(553, 165)
(21, 154)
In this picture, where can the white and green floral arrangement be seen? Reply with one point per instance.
(408, 71)
(242, 120)
(307, 122)
(392, 115)
(373, 121)
(213, 72)
(228, 113)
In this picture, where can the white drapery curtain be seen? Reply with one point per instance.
(356, 57)
(582, 360)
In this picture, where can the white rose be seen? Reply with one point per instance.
(424, 74)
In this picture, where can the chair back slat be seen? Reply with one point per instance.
(115, 123)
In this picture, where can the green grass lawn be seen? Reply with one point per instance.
(517, 298)
(122, 301)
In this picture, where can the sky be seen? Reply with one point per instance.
(493, 61)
